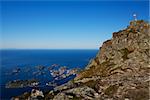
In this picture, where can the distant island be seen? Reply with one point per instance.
(58, 74)
(120, 70)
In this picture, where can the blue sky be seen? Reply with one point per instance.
(65, 24)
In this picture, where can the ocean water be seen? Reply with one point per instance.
(29, 59)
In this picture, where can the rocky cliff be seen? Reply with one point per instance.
(120, 70)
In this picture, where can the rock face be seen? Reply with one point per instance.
(120, 70)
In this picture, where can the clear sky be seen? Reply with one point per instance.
(65, 24)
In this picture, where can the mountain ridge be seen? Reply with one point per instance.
(120, 70)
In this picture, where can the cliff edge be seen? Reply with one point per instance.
(120, 70)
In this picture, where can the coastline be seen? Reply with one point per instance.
(39, 57)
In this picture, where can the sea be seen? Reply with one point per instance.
(27, 60)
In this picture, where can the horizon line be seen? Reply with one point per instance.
(49, 48)
(69, 0)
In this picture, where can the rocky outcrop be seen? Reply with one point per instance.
(36, 94)
(128, 50)
(78, 93)
(121, 68)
